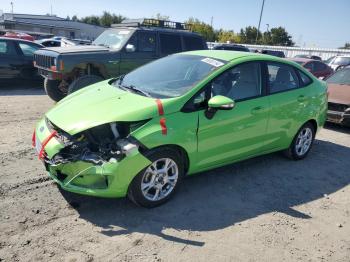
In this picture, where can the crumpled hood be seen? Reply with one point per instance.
(99, 104)
(339, 94)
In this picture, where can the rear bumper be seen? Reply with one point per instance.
(337, 117)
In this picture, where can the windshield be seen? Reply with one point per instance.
(114, 38)
(170, 76)
(340, 77)
(341, 61)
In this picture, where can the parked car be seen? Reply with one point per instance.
(273, 53)
(141, 133)
(231, 47)
(49, 42)
(339, 62)
(18, 35)
(16, 59)
(115, 52)
(339, 97)
(314, 57)
(317, 68)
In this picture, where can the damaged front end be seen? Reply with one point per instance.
(100, 161)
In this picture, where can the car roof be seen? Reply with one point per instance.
(301, 59)
(154, 29)
(228, 55)
(18, 40)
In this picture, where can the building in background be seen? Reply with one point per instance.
(46, 25)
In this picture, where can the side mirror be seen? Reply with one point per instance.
(218, 103)
(130, 48)
(221, 102)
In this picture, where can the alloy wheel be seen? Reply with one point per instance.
(159, 179)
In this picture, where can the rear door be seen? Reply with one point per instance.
(26, 51)
(288, 102)
(170, 43)
(145, 43)
(10, 62)
(193, 43)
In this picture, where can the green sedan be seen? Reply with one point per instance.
(140, 134)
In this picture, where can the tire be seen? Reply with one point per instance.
(302, 142)
(82, 82)
(52, 90)
(161, 181)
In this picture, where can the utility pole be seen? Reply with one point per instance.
(261, 12)
(51, 9)
(12, 8)
(211, 21)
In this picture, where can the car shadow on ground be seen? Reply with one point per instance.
(225, 196)
(337, 128)
(21, 88)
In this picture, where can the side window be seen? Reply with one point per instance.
(241, 82)
(170, 44)
(310, 66)
(7, 48)
(146, 42)
(304, 78)
(319, 66)
(281, 78)
(197, 102)
(27, 49)
(193, 43)
(3, 47)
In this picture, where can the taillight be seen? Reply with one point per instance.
(61, 65)
(33, 139)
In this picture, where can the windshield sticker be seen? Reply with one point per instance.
(124, 32)
(212, 62)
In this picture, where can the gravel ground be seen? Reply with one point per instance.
(264, 209)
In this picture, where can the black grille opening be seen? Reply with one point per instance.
(337, 107)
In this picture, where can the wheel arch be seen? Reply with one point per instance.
(179, 149)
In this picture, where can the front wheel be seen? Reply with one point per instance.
(52, 89)
(302, 142)
(158, 182)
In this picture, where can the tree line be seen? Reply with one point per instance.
(248, 35)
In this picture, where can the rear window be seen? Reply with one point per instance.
(170, 43)
(305, 80)
(193, 43)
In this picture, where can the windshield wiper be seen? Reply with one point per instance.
(135, 89)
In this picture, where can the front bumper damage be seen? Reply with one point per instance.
(339, 117)
(88, 173)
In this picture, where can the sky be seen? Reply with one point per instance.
(312, 23)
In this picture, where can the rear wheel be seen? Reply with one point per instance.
(157, 183)
(302, 142)
(82, 82)
(52, 90)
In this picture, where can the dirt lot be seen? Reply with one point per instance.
(264, 209)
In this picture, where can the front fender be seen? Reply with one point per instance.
(181, 130)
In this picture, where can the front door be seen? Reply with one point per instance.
(240, 132)
(145, 50)
(10, 61)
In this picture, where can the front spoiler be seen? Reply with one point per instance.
(111, 179)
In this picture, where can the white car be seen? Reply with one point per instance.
(339, 61)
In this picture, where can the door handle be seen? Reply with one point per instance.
(301, 98)
(256, 110)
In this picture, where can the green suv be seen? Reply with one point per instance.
(140, 134)
(115, 52)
